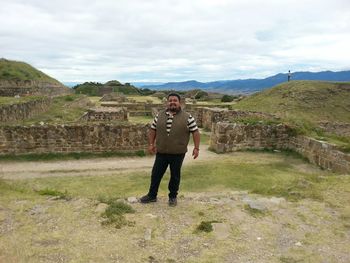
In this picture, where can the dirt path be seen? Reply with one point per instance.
(89, 167)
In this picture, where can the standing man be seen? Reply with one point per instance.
(289, 75)
(168, 138)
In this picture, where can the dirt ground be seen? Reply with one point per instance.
(50, 230)
(93, 167)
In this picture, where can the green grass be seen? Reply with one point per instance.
(205, 226)
(11, 100)
(51, 192)
(255, 120)
(271, 174)
(16, 70)
(68, 156)
(154, 100)
(141, 119)
(114, 214)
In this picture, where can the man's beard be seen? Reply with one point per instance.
(174, 108)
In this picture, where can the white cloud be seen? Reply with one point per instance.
(135, 40)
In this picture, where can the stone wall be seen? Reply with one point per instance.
(143, 107)
(151, 109)
(106, 114)
(213, 115)
(11, 88)
(228, 137)
(341, 129)
(21, 111)
(72, 138)
(322, 154)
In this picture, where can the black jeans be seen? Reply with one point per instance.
(160, 165)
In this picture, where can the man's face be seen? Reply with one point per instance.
(174, 104)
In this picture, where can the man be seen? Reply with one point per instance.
(289, 75)
(168, 138)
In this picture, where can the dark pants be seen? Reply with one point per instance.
(160, 165)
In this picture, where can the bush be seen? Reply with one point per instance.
(114, 214)
(227, 98)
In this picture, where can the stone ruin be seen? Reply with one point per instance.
(11, 88)
(106, 114)
(227, 134)
(116, 97)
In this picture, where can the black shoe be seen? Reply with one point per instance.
(172, 201)
(146, 199)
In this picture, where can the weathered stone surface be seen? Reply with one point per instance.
(255, 204)
(21, 111)
(11, 88)
(148, 234)
(101, 207)
(132, 199)
(106, 114)
(72, 138)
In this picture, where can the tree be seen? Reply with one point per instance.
(227, 98)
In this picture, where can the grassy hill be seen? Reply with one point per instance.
(16, 70)
(304, 104)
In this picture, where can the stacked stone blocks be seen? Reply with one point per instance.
(72, 138)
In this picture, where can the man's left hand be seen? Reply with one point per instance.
(195, 153)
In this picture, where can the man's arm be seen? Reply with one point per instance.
(151, 140)
(196, 140)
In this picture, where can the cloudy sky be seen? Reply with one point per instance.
(175, 40)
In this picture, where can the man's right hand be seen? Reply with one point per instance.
(152, 149)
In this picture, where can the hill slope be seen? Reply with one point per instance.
(20, 78)
(305, 104)
(16, 70)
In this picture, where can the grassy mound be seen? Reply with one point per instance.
(16, 70)
(304, 104)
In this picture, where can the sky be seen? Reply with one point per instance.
(168, 40)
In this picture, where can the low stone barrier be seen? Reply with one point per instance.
(10, 88)
(214, 115)
(72, 138)
(228, 137)
(21, 111)
(106, 114)
(323, 154)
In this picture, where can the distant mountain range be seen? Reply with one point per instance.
(247, 86)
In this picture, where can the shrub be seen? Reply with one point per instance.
(227, 98)
(114, 214)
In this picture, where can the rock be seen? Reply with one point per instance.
(151, 216)
(277, 200)
(37, 209)
(257, 206)
(101, 207)
(221, 230)
(132, 200)
(148, 234)
(298, 244)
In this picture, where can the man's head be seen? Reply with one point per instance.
(174, 102)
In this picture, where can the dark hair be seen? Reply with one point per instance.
(174, 94)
